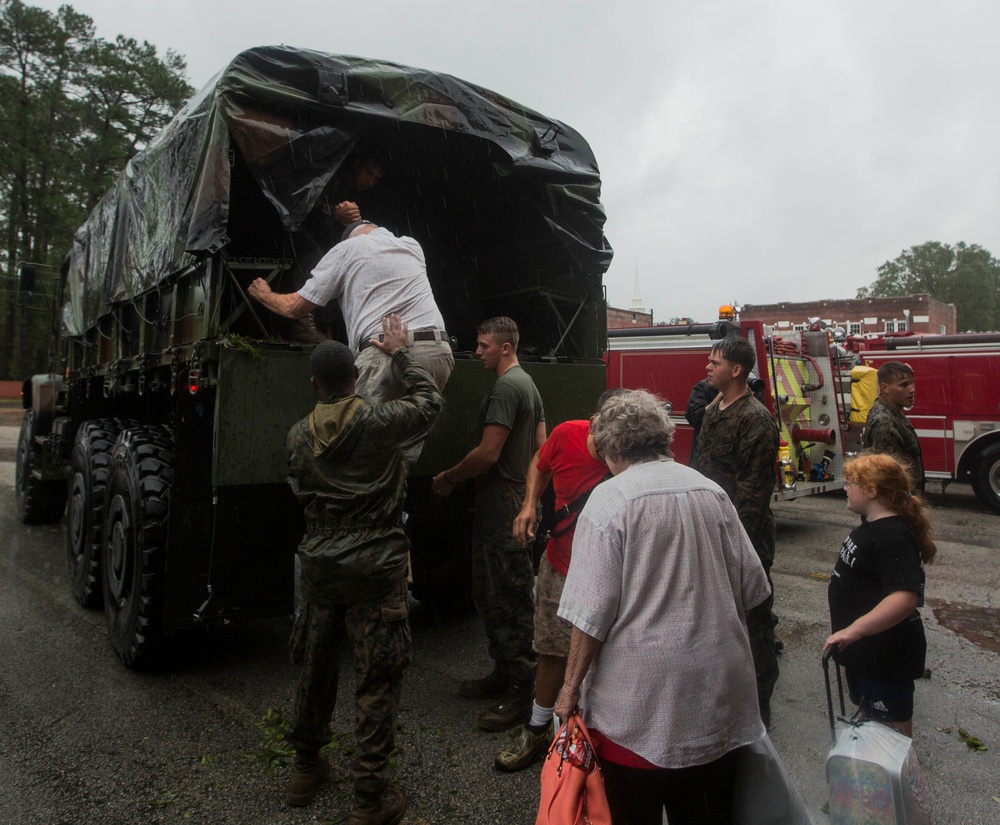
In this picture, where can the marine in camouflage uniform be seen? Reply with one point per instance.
(888, 430)
(502, 571)
(350, 476)
(737, 448)
(512, 419)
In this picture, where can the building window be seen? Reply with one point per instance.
(799, 327)
(900, 326)
(854, 328)
(890, 326)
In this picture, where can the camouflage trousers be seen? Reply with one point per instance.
(502, 579)
(378, 633)
(760, 627)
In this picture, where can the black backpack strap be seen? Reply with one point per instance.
(572, 509)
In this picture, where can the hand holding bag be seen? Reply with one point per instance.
(572, 784)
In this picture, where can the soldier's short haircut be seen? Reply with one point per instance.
(332, 365)
(502, 328)
(738, 351)
(894, 370)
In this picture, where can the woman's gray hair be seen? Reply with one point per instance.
(634, 426)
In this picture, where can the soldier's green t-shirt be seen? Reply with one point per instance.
(515, 403)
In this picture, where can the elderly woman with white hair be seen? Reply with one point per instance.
(659, 666)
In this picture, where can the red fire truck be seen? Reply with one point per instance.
(801, 381)
(957, 409)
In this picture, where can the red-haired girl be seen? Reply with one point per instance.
(876, 588)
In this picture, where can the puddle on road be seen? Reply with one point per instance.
(980, 625)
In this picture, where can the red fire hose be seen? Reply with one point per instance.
(800, 434)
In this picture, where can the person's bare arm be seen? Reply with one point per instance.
(887, 613)
(582, 650)
(289, 305)
(476, 462)
(540, 435)
(525, 521)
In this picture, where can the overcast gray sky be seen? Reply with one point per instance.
(750, 151)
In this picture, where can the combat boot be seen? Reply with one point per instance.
(526, 749)
(489, 687)
(514, 709)
(305, 779)
(389, 811)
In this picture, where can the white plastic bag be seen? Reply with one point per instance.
(873, 776)
(764, 791)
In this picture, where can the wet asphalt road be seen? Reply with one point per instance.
(85, 741)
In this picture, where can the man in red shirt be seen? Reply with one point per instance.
(568, 460)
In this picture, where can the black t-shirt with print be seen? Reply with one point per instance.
(876, 559)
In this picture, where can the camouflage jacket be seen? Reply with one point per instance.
(737, 448)
(887, 430)
(701, 396)
(347, 471)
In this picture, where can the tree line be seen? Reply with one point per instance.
(74, 108)
(966, 275)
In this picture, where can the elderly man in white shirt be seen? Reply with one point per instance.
(372, 273)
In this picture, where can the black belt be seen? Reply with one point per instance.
(419, 335)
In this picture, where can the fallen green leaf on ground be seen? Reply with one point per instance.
(971, 740)
(274, 751)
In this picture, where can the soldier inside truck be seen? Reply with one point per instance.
(340, 205)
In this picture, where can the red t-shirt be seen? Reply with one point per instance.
(574, 471)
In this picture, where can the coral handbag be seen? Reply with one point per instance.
(572, 784)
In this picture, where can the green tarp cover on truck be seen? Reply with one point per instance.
(469, 171)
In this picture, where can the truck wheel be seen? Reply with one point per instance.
(986, 481)
(135, 540)
(37, 502)
(85, 515)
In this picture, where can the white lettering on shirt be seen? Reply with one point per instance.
(847, 552)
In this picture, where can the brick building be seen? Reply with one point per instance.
(628, 318)
(920, 313)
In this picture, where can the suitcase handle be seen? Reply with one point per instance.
(827, 655)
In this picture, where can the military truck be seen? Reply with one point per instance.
(160, 430)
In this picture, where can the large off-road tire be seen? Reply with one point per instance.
(986, 479)
(90, 463)
(136, 521)
(37, 502)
